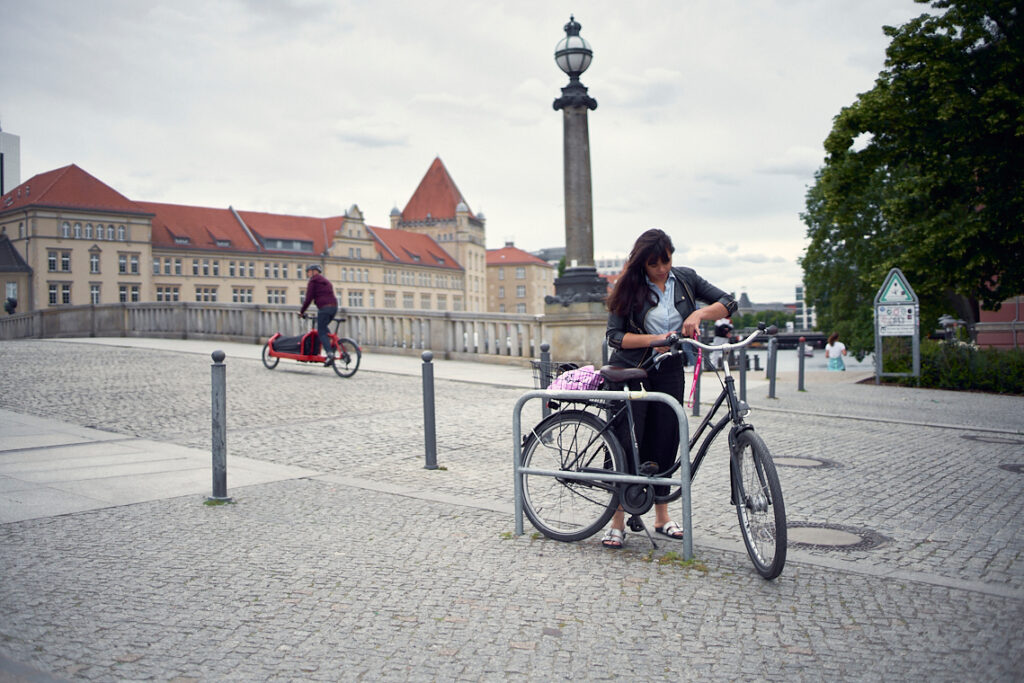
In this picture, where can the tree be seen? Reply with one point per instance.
(925, 172)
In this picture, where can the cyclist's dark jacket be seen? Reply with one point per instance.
(321, 292)
(689, 285)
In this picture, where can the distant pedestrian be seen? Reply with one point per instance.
(320, 291)
(723, 330)
(834, 351)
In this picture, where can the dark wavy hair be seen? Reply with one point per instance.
(631, 290)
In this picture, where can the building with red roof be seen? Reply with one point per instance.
(517, 281)
(83, 242)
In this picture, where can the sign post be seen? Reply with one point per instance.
(897, 314)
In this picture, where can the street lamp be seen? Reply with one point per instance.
(580, 281)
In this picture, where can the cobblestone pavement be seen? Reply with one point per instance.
(382, 570)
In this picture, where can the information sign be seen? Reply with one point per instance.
(896, 315)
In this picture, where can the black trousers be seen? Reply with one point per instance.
(656, 424)
(323, 320)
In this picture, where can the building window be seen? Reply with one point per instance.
(110, 233)
(520, 291)
(389, 300)
(135, 293)
(65, 261)
(425, 302)
(94, 262)
(501, 273)
(501, 308)
(442, 302)
(355, 299)
(206, 266)
(252, 269)
(520, 273)
(177, 266)
(456, 303)
(122, 293)
(65, 231)
(241, 295)
(501, 292)
(276, 296)
(520, 308)
(51, 262)
(266, 271)
(167, 294)
(65, 294)
(78, 231)
(216, 268)
(53, 295)
(156, 265)
(122, 234)
(206, 294)
(88, 231)
(94, 294)
(231, 268)
(134, 261)
(408, 301)
(195, 266)
(122, 263)
(298, 272)
(167, 266)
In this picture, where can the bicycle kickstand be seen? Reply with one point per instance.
(636, 524)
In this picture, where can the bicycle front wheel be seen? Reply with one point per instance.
(570, 441)
(758, 498)
(268, 360)
(346, 357)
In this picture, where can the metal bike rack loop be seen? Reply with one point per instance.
(627, 395)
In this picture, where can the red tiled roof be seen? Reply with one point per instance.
(513, 255)
(410, 248)
(267, 226)
(69, 187)
(436, 197)
(201, 225)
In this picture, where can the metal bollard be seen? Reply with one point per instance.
(544, 373)
(218, 401)
(773, 346)
(800, 375)
(743, 373)
(757, 363)
(429, 433)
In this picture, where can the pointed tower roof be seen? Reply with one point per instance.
(68, 187)
(437, 196)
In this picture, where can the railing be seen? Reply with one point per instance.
(481, 336)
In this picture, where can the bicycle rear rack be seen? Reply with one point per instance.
(684, 452)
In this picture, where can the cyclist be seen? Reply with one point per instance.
(651, 300)
(320, 291)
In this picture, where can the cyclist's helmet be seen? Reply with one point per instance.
(314, 266)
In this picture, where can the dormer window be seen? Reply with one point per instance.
(223, 243)
(181, 240)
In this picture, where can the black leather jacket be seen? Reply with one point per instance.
(692, 287)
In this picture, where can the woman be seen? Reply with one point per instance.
(650, 301)
(834, 351)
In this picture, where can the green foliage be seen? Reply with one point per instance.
(561, 266)
(963, 366)
(750, 320)
(938, 188)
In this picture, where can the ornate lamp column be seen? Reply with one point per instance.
(580, 282)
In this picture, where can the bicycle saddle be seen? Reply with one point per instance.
(614, 374)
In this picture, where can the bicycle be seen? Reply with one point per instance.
(580, 437)
(306, 349)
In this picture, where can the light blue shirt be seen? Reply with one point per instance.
(664, 317)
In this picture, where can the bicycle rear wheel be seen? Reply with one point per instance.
(570, 441)
(758, 498)
(346, 357)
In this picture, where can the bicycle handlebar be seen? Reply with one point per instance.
(676, 342)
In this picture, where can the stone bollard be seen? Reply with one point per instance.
(219, 411)
(773, 352)
(429, 433)
(800, 376)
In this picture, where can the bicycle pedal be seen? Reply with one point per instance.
(648, 469)
(635, 524)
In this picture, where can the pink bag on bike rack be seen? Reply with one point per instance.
(580, 379)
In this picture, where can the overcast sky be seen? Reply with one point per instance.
(710, 121)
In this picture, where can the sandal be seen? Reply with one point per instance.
(670, 529)
(614, 539)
